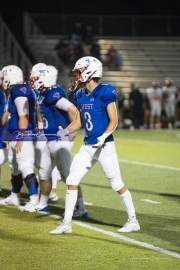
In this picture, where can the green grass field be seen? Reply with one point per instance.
(150, 168)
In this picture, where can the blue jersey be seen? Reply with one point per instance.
(93, 111)
(21, 90)
(36, 93)
(2, 105)
(52, 116)
(2, 108)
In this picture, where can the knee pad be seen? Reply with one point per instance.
(31, 179)
(116, 183)
(17, 181)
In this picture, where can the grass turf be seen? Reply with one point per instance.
(25, 240)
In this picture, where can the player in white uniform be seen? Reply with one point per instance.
(169, 96)
(97, 111)
(155, 101)
(56, 111)
(21, 109)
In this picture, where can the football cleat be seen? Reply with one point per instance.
(80, 213)
(40, 208)
(10, 200)
(64, 227)
(53, 197)
(28, 206)
(130, 226)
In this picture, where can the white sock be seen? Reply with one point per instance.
(15, 194)
(127, 200)
(44, 200)
(80, 204)
(71, 198)
(54, 176)
(34, 198)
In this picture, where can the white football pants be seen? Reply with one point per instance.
(23, 162)
(88, 156)
(3, 156)
(56, 153)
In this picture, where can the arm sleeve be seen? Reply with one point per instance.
(22, 105)
(63, 104)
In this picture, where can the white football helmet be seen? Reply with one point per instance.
(54, 72)
(43, 75)
(87, 67)
(11, 75)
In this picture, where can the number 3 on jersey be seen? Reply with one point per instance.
(89, 124)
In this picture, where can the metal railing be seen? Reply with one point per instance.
(12, 52)
(110, 25)
(35, 39)
(33, 34)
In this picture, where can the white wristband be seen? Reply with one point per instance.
(40, 125)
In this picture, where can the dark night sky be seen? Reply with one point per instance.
(12, 10)
(15, 8)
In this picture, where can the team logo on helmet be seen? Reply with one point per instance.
(87, 61)
(4, 72)
(42, 72)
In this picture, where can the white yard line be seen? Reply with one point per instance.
(149, 165)
(127, 239)
(88, 203)
(150, 201)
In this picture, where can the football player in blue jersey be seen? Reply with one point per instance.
(97, 111)
(56, 111)
(3, 150)
(40, 144)
(21, 108)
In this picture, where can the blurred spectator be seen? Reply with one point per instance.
(88, 36)
(177, 114)
(169, 95)
(120, 106)
(95, 49)
(113, 59)
(77, 52)
(63, 51)
(136, 107)
(155, 102)
(146, 107)
(76, 34)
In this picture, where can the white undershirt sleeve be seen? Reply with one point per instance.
(63, 104)
(22, 105)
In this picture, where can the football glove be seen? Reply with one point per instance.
(63, 134)
(100, 141)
